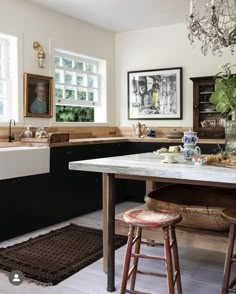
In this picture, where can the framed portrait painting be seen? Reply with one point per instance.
(38, 95)
(155, 94)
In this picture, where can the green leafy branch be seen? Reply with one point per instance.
(224, 95)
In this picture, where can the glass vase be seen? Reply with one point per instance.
(230, 134)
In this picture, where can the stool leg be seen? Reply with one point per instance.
(168, 256)
(127, 260)
(176, 260)
(137, 251)
(229, 253)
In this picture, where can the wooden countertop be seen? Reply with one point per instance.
(10, 144)
(103, 140)
(88, 141)
(85, 141)
(179, 141)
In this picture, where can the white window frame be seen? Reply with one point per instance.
(82, 59)
(10, 61)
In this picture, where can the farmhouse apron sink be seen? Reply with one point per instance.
(23, 161)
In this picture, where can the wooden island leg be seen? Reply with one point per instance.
(150, 186)
(109, 229)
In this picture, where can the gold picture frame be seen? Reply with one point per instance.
(38, 96)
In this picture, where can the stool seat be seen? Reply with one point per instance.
(151, 218)
(229, 215)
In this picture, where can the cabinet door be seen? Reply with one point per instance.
(25, 205)
(80, 192)
(8, 219)
(210, 148)
(109, 149)
(206, 120)
(136, 147)
(34, 198)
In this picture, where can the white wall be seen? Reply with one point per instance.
(144, 49)
(161, 48)
(54, 30)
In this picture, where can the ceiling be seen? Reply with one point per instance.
(122, 15)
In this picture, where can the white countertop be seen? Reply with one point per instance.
(149, 165)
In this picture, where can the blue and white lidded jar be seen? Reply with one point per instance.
(190, 138)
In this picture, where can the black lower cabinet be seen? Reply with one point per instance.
(210, 148)
(8, 217)
(34, 202)
(81, 192)
(24, 205)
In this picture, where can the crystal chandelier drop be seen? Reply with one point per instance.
(216, 29)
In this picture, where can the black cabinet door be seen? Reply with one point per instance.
(210, 148)
(34, 198)
(8, 219)
(109, 149)
(80, 192)
(141, 147)
(25, 205)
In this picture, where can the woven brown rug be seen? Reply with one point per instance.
(51, 258)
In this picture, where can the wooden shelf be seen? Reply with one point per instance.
(205, 93)
(203, 112)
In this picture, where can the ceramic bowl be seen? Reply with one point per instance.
(199, 160)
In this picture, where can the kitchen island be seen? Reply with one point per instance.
(148, 167)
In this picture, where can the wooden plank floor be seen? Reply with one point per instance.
(201, 270)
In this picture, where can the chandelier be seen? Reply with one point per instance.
(216, 29)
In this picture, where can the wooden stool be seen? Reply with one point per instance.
(230, 216)
(138, 219)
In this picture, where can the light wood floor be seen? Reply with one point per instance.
(201, 270)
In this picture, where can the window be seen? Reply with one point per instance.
(8, 78)
(79, 87)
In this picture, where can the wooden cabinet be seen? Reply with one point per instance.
(206, 120)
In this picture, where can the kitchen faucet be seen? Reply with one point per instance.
(11, 135)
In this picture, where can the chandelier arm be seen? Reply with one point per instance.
(216, 28)
(205, 32)
(198, 27)
(232, 35)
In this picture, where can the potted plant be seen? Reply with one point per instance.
(224, 98)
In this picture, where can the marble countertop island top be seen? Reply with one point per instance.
(150, 165)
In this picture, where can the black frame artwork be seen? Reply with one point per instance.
(155, 94)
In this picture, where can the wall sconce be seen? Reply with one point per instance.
(41, 54)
